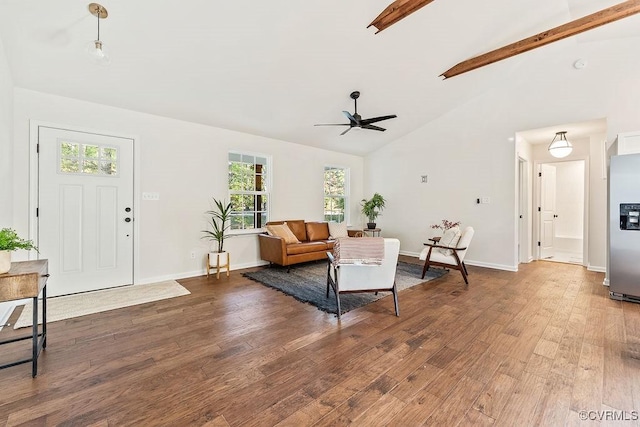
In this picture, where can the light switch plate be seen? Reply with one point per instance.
(150, 196)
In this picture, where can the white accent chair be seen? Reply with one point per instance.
(349, 278)
(448, 257)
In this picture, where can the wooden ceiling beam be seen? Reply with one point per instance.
(396, 11)
(602, 17)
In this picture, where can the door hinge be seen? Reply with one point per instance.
(38, 148)
(37, 212)
(539, 173)
(539, 210)
(538, 243)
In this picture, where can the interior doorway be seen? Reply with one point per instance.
(561, 212)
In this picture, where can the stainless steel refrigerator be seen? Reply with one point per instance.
(624, 227)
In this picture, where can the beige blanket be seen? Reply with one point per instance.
(362, 250)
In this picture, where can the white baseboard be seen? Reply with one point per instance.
(471, 262)
(195, 273)
(597, 268)
(513, 268)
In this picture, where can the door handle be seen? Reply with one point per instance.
(127, 220)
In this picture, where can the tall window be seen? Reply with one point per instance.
(336, 193)
(248, 190)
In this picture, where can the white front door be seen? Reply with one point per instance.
(547, 210)
(85, 209)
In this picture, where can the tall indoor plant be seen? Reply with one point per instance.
(9, 242)
(371, 209)
(219, 220)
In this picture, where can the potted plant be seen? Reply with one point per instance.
(371, 209)
(219, 220)
(9, 242)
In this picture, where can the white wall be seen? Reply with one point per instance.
(6, 149)
(187, 164)
(466, 152)
(569, 199)
(6, 145)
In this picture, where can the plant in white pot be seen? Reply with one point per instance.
(219, 221)
(9, 242)
(371, 209)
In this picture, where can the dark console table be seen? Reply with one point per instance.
(28, 279)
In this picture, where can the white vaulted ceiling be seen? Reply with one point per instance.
(276, 68)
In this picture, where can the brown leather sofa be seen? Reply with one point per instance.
(314, 243)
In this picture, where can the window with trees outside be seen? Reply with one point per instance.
(336, 194)
(248, 190)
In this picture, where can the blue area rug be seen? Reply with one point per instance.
(308, 283)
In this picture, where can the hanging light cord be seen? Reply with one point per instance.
(98, 15)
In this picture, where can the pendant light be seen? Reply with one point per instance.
(96, 49)
(560, 147)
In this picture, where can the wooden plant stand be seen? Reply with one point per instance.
(221, 261)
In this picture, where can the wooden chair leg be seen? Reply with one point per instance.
(395, 299)
(425, 268)
(465, 268)
(464, 274)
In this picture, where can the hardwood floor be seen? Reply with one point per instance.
(535, 347)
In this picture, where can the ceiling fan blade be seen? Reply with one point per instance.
(377, 119)
(345, 131)
(372, 127)
(351, 118)
(333, 124)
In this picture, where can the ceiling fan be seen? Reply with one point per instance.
(356, 121)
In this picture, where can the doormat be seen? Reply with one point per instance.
(69, 306)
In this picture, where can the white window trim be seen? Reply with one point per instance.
(347, 190)
(267, 182)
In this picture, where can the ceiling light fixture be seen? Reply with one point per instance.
(95, 48)
(560, 147)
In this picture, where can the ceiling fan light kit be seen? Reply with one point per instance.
(95, 48)
(356, 121)
(559, 146)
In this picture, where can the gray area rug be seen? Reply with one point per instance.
(308, 283)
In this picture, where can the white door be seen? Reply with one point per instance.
(547, 210)
(85, 209)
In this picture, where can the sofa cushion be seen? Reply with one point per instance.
(283, 231)
(338, 230)
(317, 231)
(305, 248)
(295, 225)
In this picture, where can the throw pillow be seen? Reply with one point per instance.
(449, 238)
(317, 231)
(283, 231)
(338, 230)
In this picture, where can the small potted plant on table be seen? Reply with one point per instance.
(371, 209)
(9, 242)
(219, 221)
